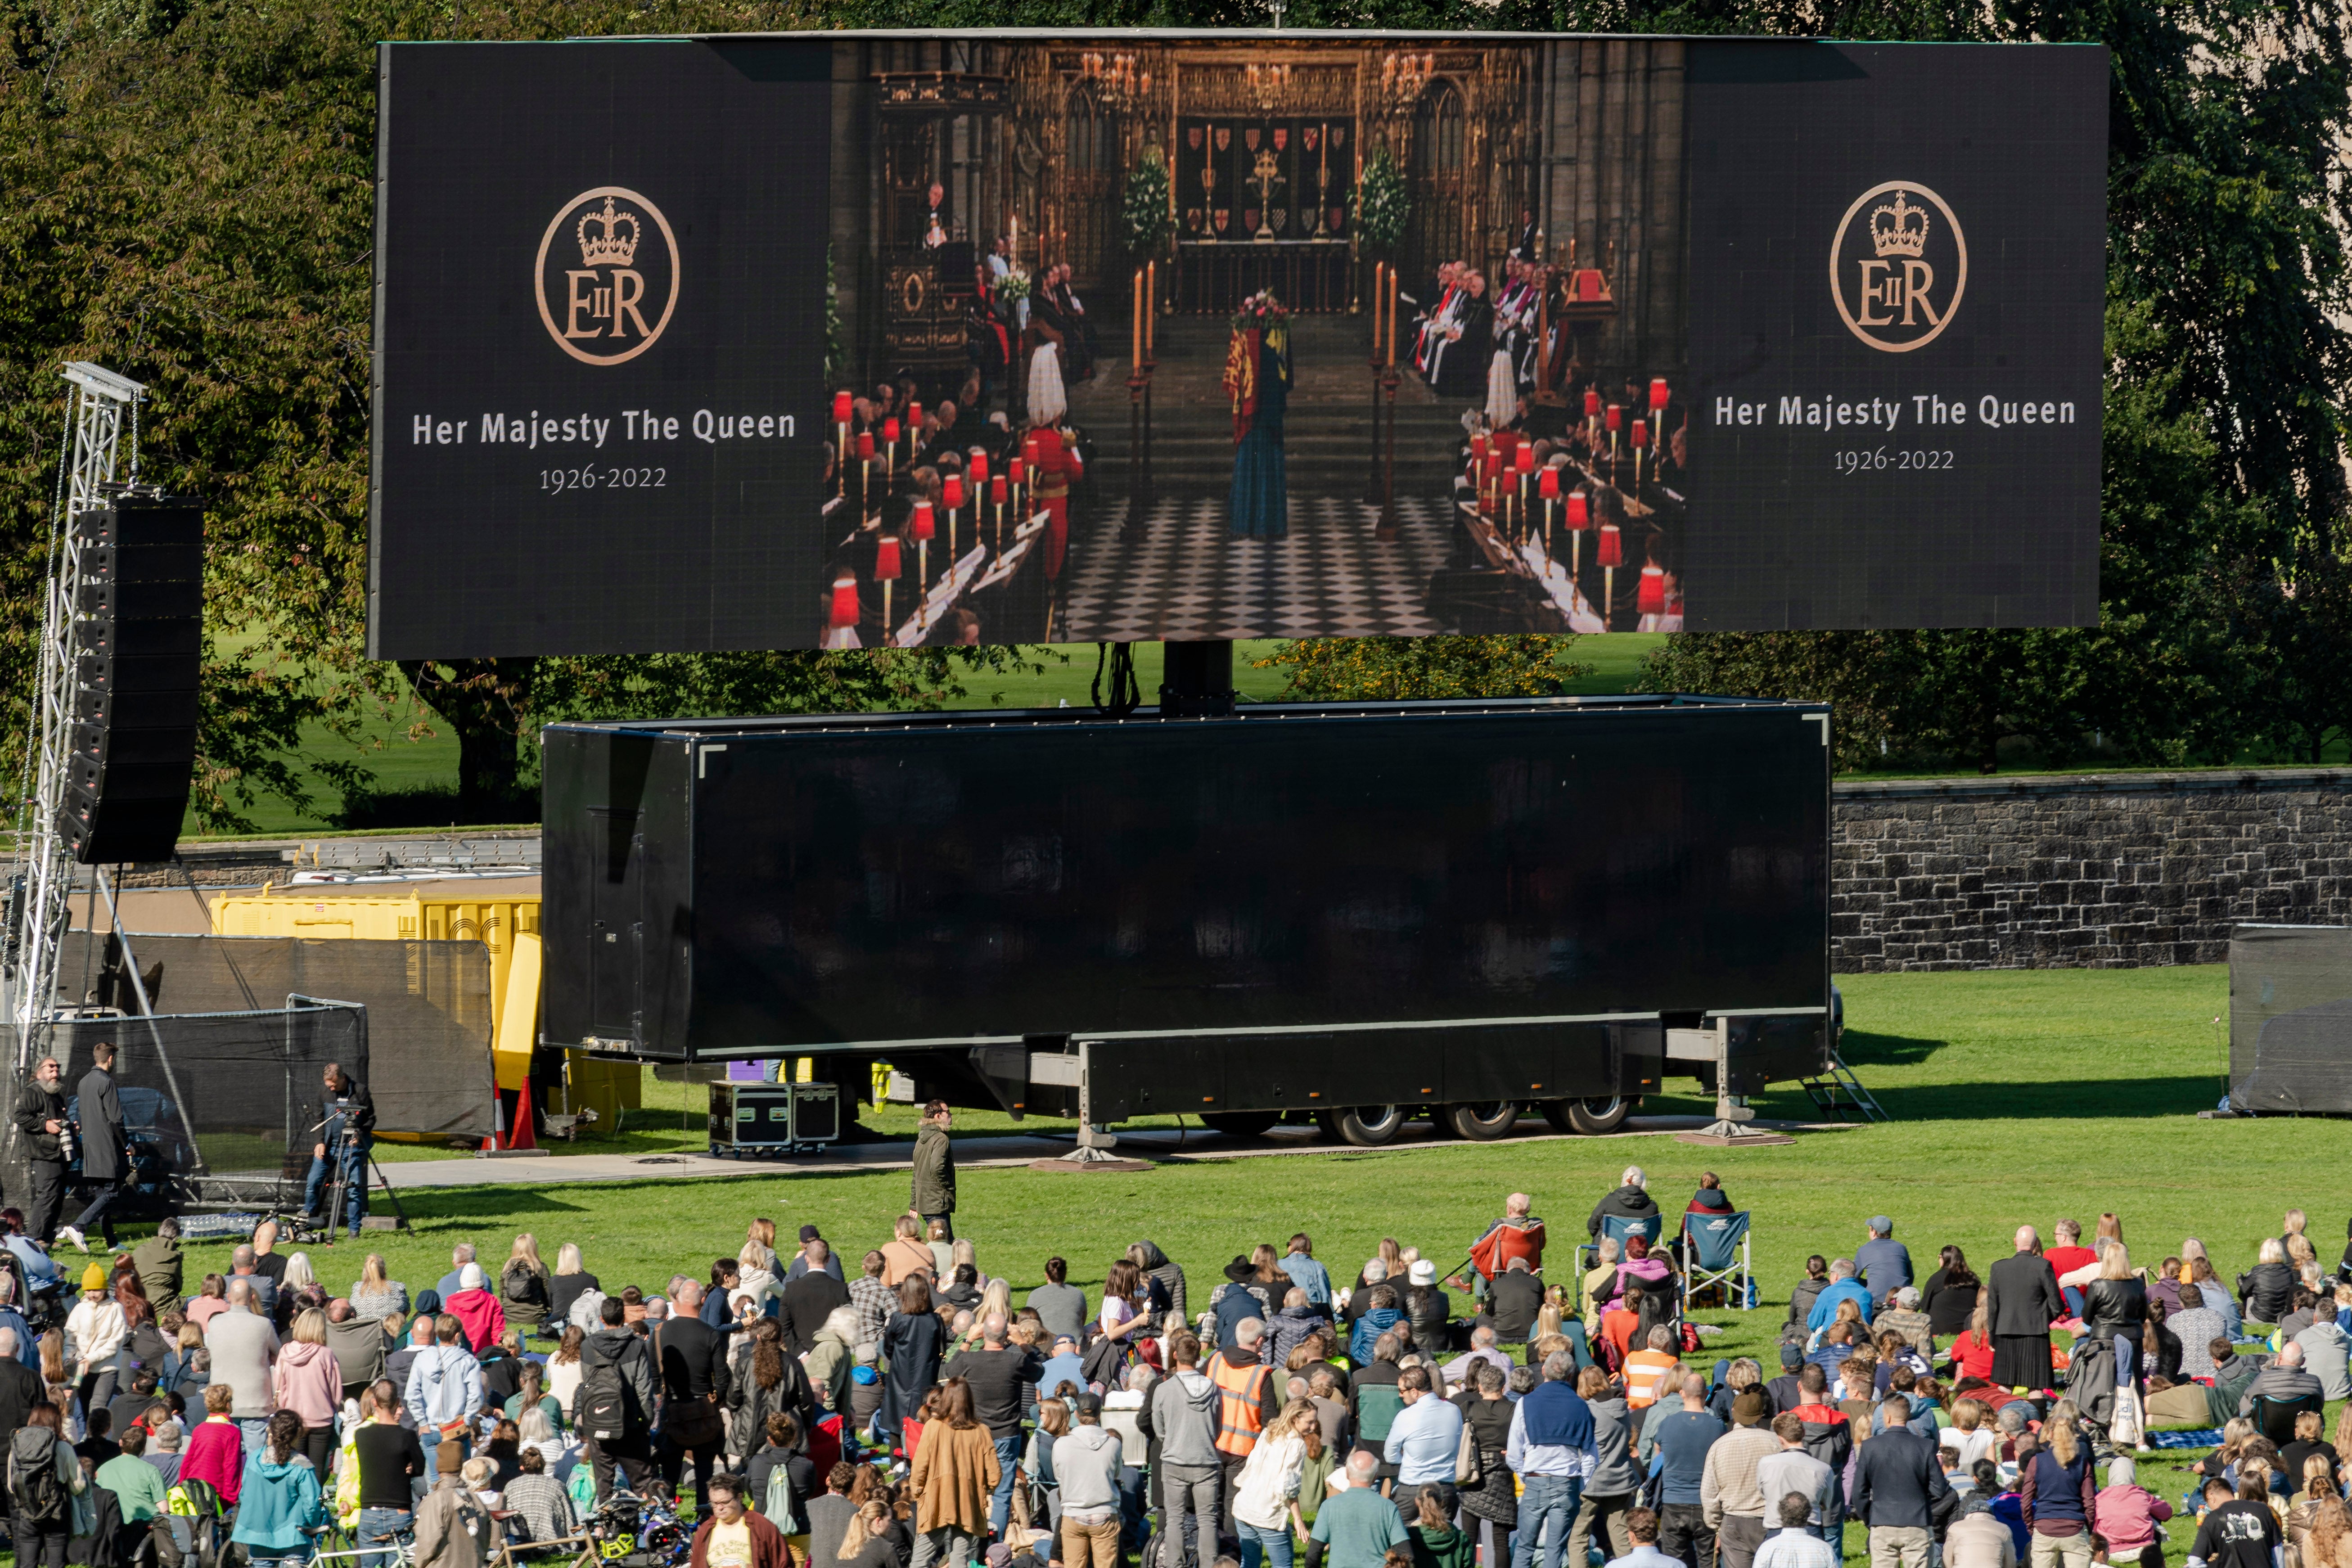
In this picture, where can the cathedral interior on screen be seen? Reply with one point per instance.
(1147, 338)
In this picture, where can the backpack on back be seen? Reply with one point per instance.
(34, 1493)
(603, 1401)
(782, 1507)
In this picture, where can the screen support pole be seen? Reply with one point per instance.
(1197, 680)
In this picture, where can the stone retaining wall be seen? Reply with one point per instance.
(2082, 871)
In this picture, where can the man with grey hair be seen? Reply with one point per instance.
(2282, 1382)
(41, 1119)
(1249, 1396)
(1632, 1200)
(1482, 1350)
(454, 1281)
(997, 1373)
(244, 1347)
(244, 1264)
(1842, 1287)
(1903, 1317)
(1355, 1528)
(1551, 1451)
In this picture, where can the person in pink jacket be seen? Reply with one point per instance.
(477, 1309)
(216, 1452)
(2128, 1515)
(308, 1381)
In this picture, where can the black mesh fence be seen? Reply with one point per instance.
(2291, 1019)
(429, 1007)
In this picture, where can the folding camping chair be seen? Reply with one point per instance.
(1715, 1251)
(1617, 1227)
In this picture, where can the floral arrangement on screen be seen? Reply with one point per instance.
(1382, 204)
(1146, 210)
(1013, 285)
(1261, 312)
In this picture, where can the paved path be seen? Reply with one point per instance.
(1160, 1144)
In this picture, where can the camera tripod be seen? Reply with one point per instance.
(338, 1194)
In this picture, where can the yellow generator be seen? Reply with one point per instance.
(448, 911)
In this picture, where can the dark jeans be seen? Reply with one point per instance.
(41, 1545)
(100, 1212)
(48, 1200)
(1683, 1533)
(632, 1454)
(673, 1467)
(351, 1162)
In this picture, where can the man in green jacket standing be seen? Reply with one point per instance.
(935, 1168)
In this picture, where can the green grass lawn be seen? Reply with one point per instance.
(2016, 1095)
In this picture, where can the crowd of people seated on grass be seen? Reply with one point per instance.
(909, 1405)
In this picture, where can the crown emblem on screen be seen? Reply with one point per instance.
(610, 245)
(1898, 228)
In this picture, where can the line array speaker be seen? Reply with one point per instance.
(141, 600)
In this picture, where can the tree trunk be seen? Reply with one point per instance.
(487, 703)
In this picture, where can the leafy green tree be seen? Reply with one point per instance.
(1361, 669)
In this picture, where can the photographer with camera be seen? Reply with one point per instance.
(41, 1118)
(345, 1136)
(105, 1147)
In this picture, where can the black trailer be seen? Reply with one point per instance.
(1357, 912)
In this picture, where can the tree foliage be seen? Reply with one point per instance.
(1363, 669)
(2226, 619)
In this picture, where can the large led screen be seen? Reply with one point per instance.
(874, 340)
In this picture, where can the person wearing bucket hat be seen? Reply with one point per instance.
(1428, 1308)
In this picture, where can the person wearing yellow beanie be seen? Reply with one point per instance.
(94, 1278)
(96, 1328)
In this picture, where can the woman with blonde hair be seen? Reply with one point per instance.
(375, 1295)
(1037, 1462)
(865, 1543)
(754, 1281)
(307, 1381)
(564, 1368)
(761, 1232)
(2267, 1291)
(996, 1298)
(522, 1284)
(2114, 1308)
(2057, 1476)
(2328, 1543)
(1265, 1493)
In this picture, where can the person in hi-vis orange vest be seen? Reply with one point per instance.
(1249, 1396)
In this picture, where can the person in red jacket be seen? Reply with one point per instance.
(1518, 1233)
(733, 1536)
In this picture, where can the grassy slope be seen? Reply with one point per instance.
(2017, 1096)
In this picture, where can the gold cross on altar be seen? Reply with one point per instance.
(1267, 176)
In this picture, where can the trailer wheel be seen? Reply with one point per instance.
(1365, 1126)
(1483, 1123)
(1241, 1123)
(1601, 1114)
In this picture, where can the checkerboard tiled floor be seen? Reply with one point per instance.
(1181, 575)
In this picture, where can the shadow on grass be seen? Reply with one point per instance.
(2084, 1099)
(1859, 1047)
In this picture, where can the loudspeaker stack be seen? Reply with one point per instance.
(142, 601)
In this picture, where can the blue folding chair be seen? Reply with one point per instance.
(1716, 1252)
(1617, 1227)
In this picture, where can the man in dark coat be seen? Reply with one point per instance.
(1899, 1490)
(2023, 1301)
(811, 1299)
(105, 1147)
(934, 1192)
(346, 1133)
(695, 1387)
(1629, 1201)
(41, 1117)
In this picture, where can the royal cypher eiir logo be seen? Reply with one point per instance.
(607, 276)
(1899, 266)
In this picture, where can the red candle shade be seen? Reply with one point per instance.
(886, 559)
(914, 417)
(1659, 396)
(1015, 471)
(1610, 550)
(1641, 433)
(890, 431)
(1650, 598)
(1478, 448)
(1508, 439)
(1525, 462)
(1547, 483)
(1616, 416)
(1591, 404)
(866, 443)
(844, 598)
(978, 465)
(998, 491)
(923, 527)
(1580, 512)
(840, 408)
(951, 491)
(1029, 448)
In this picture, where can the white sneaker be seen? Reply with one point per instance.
(68, 1232)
